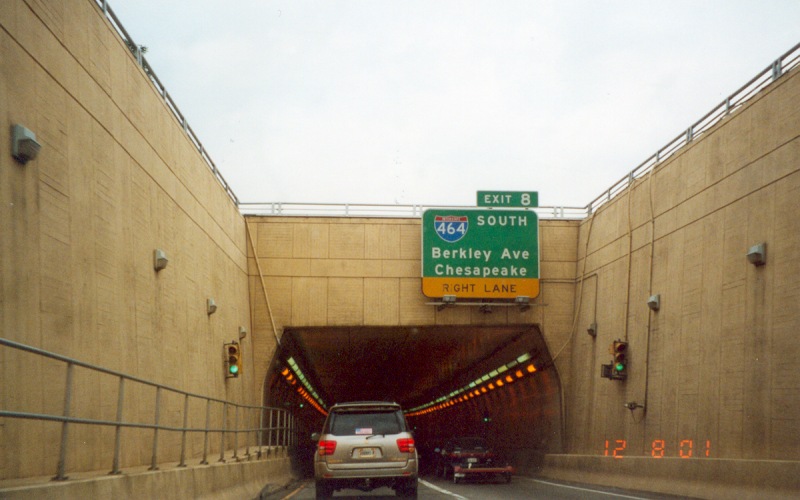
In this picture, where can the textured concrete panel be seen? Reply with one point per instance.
(711, 365)
(116, 179)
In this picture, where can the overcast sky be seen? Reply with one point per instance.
(427, 102)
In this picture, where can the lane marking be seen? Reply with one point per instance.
(295, 492)
(609, 493)
(441, 490)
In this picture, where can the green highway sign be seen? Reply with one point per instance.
(480, 253)
(522, 199)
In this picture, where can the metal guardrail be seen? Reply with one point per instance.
(173, 107)
(733, 102)
(368, 210)
(736, 100)
(277, 427)
(780, 66)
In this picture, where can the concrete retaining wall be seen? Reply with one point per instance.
(709, 478)
(218, 481)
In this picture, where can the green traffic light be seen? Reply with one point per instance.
(233, 369)
(619, 367)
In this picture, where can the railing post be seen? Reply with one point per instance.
(279, 429)
(269, 433)
(285, 429)
(236, 433)
(154, 459)
(62, 454)
(246, 442)
(183, 434)
(222, 431)
(293, 427)
(205, 434)
(776, 70)
(118, 431)
(260, 431)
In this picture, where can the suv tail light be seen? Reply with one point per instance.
(326, 448)
(406, 445)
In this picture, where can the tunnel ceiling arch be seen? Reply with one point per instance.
(408, 364)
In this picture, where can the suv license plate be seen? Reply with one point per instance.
(365, 453)
(472, 460)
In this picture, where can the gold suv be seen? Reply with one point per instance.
(365, 445)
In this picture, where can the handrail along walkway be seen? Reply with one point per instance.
(279, 431)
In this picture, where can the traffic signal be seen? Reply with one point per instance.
(619, 365)
(233, 359)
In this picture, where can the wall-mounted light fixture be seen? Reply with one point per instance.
(23, 144)
(523, 301)
(242, 332)
(592, 330)
(211, 306)
(160, 259)
(757, 254)
(654, 302)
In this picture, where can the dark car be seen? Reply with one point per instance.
(365, 445)
(470, 457)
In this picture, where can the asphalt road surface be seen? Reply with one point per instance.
(431, 487)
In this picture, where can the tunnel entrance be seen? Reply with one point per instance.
(497, 382)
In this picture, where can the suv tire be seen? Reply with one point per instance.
(407, 489)
(324, 489)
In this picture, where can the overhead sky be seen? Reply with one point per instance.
(427, 102)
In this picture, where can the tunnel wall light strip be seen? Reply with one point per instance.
(293, 373)
(292, 381)
(301, 376)
(519, 367)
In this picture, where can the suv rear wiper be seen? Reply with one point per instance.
(373, 435)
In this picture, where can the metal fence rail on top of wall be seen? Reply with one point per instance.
(277, 427)
(173, 107)
(368, 210)
(733, 102)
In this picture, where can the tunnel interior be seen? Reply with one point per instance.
(497, 382)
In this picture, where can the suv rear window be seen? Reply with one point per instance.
(367, 423)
